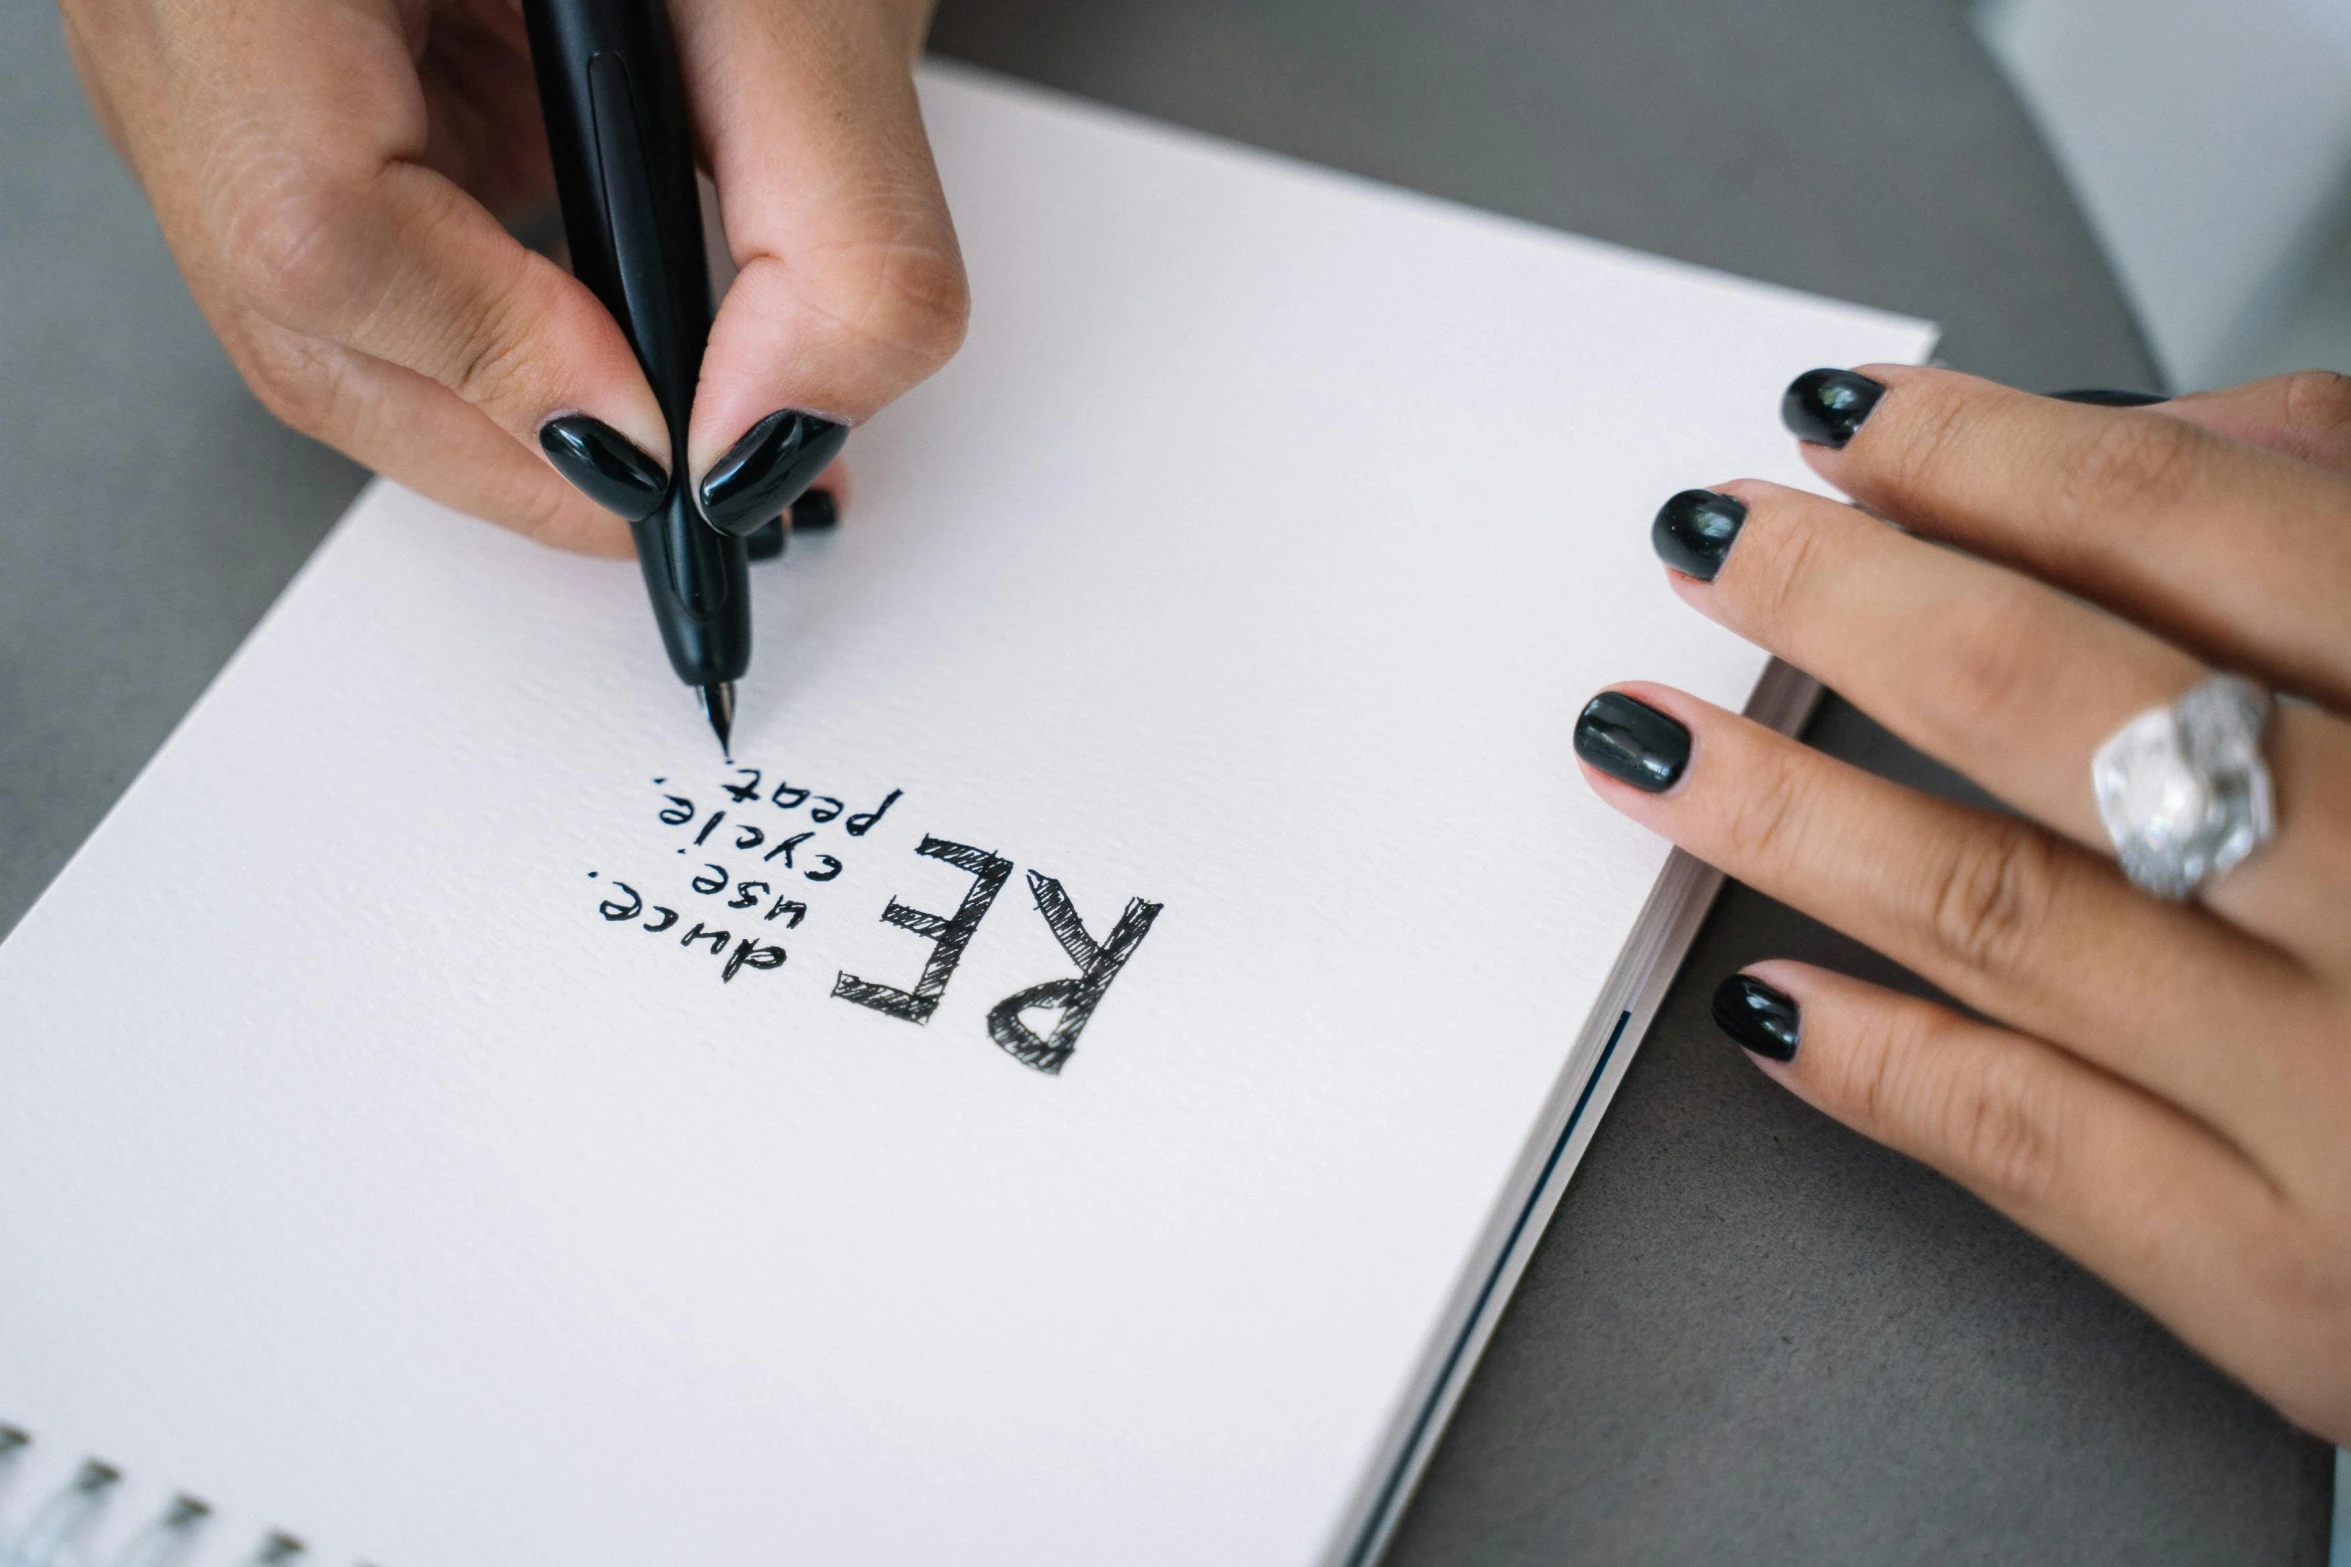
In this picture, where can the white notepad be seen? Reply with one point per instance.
(449, 1114)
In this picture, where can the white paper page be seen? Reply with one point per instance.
(1252, 561)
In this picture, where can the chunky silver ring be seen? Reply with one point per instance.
(2183, 790)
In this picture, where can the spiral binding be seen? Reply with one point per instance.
(58, 1533)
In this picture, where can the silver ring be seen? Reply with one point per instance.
(2183, 790)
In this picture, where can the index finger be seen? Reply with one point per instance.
(287, 148)
(1999, 913)
(2241, 553)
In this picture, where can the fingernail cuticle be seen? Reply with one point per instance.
(604, 465)
(1695, 530)
(766, 471)
(1828, 407)
(1632, 742)
(1758, 1017)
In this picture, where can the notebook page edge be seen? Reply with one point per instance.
(1784, 699)
(337, 532)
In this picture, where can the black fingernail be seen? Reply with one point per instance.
(1632, 742)
(766, 470)
(2101, 397)
(604, 465)
(1827, 407)
(1695, 531)
(767, 540)
(817, 510)
(1760, 1018)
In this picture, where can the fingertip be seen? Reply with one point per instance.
(835, 479)
(1797, 979)
(772, 465)
(603, 464)
(1777, 1011)
(621, 397)
(1632, 734)
(641, 421)
(1810, 984)
(1828, 407)
(1759, 1016)
(799, 339)
(1691, 590)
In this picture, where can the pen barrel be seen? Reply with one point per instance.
(622, 150)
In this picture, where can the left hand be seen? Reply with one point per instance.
(2166, 1092)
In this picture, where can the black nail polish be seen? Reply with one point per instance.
(767, 469)
(1695, 530)
(767, 541)
(2101, 397)
(815, 512)
(1827, 407)
(604, 465)
(1760, 1018)
(1632, 742)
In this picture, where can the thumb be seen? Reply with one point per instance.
(850, 289)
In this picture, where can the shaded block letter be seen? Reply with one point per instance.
(1077, 998)
(948, 937)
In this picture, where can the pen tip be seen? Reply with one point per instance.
(718, 701)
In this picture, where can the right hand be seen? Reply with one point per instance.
(330, 176)
(2156, 1083)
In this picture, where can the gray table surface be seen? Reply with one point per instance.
(1749, 1335)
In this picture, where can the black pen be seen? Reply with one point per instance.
(622, 148)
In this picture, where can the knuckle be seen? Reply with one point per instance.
(488, 342)
(1781, 567)
(531, 501)
(1988, 895)
(544, 516)
(1874, 1078)
(2300, 1271)
(1765, 815)
(2317, 401)
(925, 305)
(2003, 1126)
(2000, 649)
(1997, 1125)
(296, 378)
(290, 242)
(913, 299)
(1936, 413)
(2307, 1269)
(492, 363)
(2135, 461)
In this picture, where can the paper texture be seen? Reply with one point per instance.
(365, 1176)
